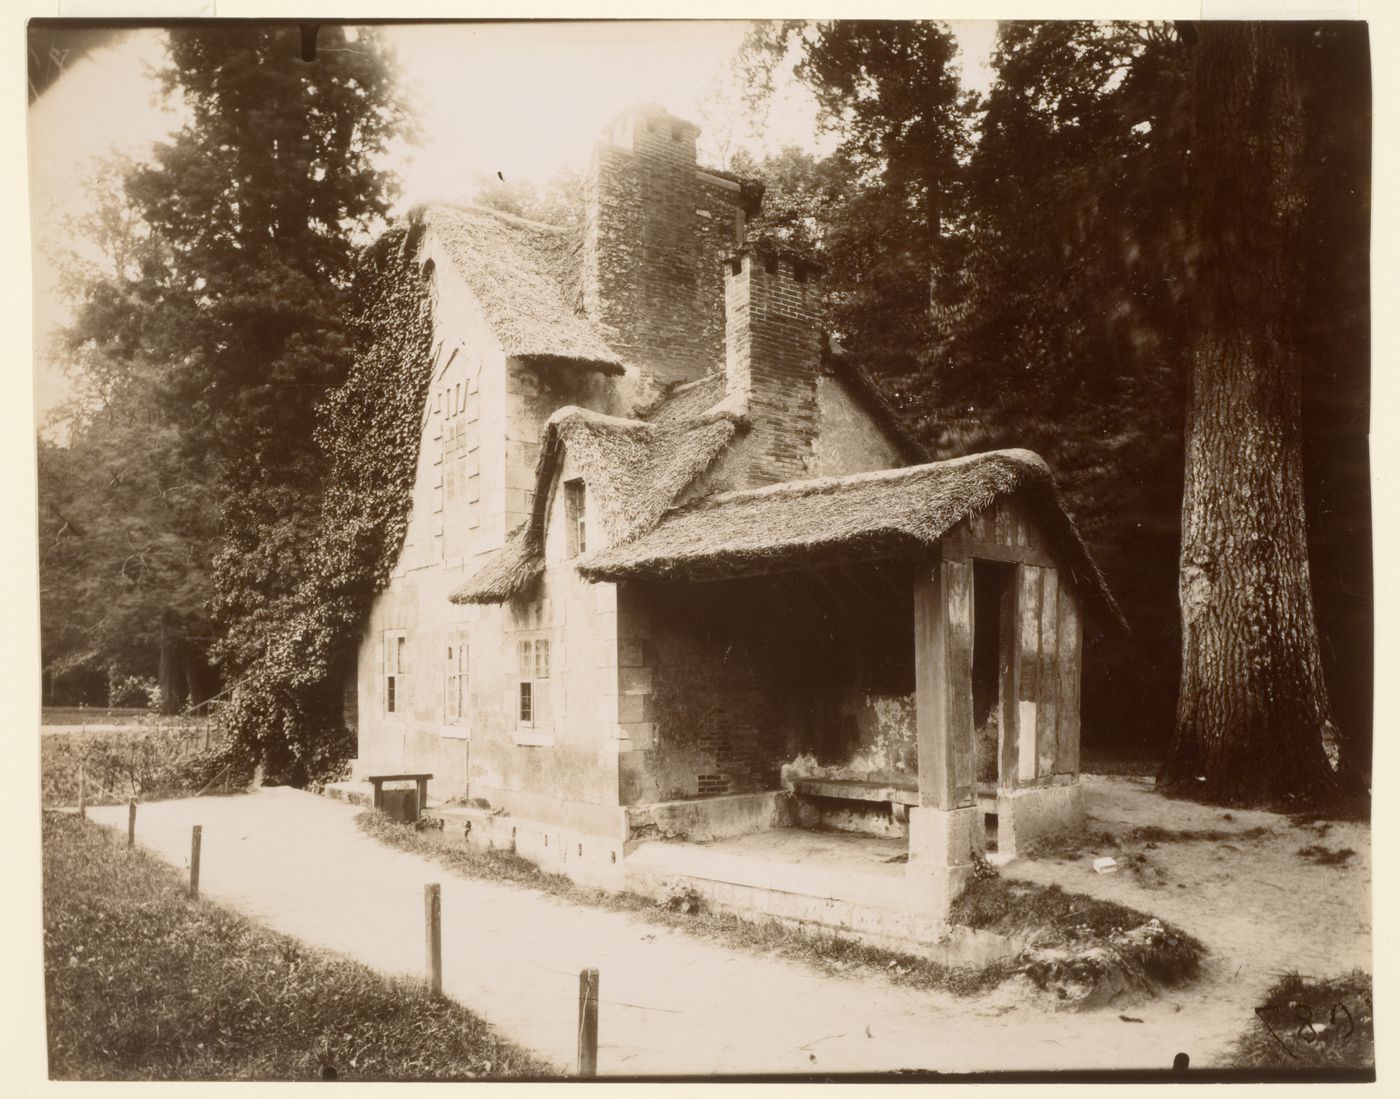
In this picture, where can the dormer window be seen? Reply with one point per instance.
(575, 517)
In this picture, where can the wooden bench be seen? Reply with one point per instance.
(899, 797)
(378, 781)
(857, 790)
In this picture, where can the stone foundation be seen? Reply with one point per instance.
(941, 845)
(1033, 813)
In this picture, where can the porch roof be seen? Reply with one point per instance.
(804, 523)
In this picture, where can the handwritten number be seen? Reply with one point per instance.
(1351, 1025)
(1273, 1033)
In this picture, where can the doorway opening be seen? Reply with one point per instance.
(991, 586)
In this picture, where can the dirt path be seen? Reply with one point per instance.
(1260, 906)
(675, 1004)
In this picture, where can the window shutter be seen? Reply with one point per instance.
(543, 703)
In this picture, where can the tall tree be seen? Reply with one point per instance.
(261, 199)
(127, 519)
(1069, 339)
(1253, 708)
(229, 323)
(890, 91)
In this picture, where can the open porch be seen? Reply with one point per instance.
(918, 701)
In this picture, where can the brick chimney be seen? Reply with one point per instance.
(772, 358)
(656, 231)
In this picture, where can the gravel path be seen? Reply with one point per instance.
(670, 1003)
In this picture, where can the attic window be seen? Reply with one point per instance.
(575, 517)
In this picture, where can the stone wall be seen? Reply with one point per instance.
(721, 706)
(847, 439)
(744, 687)
(493, 410)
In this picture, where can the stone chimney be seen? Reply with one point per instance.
(772, 358)
(656, 231)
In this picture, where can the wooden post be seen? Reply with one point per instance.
(432, 927)
(130, 822)
(82, 793)
(957, 681)
(195, 837)
(930, 696)
(588, 1022)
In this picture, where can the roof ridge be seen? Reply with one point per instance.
(573, 411)
(824, 484)
(502, 215)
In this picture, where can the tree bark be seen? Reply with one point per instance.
(1253, 706)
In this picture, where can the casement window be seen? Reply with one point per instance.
(454, 458)
(395, 671)
(458, 684)
(533, 708)
(575, 518)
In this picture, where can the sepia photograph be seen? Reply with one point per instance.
(703, 550)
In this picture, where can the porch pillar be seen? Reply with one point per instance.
(943, 828)
(943, 684)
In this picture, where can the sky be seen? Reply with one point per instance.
(524, 100)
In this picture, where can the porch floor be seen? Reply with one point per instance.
(833, 865)
(831, 849)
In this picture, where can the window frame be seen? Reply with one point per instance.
(457, 671)
(393, 688)
(527, 682)
(575, 517)
(454, 458)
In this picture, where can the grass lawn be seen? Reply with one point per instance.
(143, 983)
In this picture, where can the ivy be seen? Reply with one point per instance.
(286, 709)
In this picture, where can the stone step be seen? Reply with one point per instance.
(871, 908)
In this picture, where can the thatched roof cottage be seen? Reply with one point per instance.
(681, 599)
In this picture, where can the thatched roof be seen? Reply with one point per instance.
(511, 570)
(634, 470)
(525, 275)
(802, 523)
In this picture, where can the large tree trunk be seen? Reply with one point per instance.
(1253, 705)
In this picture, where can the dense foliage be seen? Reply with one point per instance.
(177, 758)
(207, 340)
(288, 708)
(179, 518)
(1047, 305)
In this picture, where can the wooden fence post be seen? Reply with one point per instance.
(432, 925)
(588, 1022)
(130, 822)
(82, 793)
(195, 838)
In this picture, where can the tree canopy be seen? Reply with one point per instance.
(1058, 316)
(221, 322)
